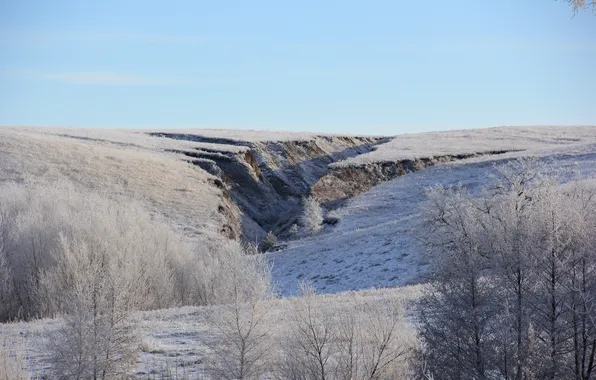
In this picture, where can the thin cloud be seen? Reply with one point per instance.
(157, 39)
(105, 79)
(42, 37)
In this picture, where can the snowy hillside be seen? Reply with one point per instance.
(432, 144)
(122, 164)
(251, 181)
(245, 183)
(373, 244)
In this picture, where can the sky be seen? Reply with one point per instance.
(372, 67)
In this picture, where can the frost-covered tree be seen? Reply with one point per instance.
(510, 267)
(309, 346)
(97, 339)
(312, 215)
(458, 312)
(37, 220)
(243, 340)
(505, 216)
(293, 229)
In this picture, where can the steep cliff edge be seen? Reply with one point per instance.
(267, 179)
(346, 181)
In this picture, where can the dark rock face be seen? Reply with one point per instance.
(342, 183)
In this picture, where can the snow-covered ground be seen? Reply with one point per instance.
(373, 245)
(175, 342)
(429, 144)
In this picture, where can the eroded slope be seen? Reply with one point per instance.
(413, 152)
(235, 186)
(268, 178)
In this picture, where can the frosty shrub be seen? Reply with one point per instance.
(293, 229)
(94, 260)
(228, 273)
(51, 236)
(269, 242)
(8, 304)
(312, 215)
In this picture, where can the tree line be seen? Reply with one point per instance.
(513, 288)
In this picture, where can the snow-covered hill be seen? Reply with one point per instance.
(374, 245)
(462, 142)
(247, 182)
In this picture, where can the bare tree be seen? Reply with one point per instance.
(242, 341)
(378, 345)
(361, 343)
(309, 348)
(241, 347)
(8, 307)
(582, 4)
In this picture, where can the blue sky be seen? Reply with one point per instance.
(382, 67)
